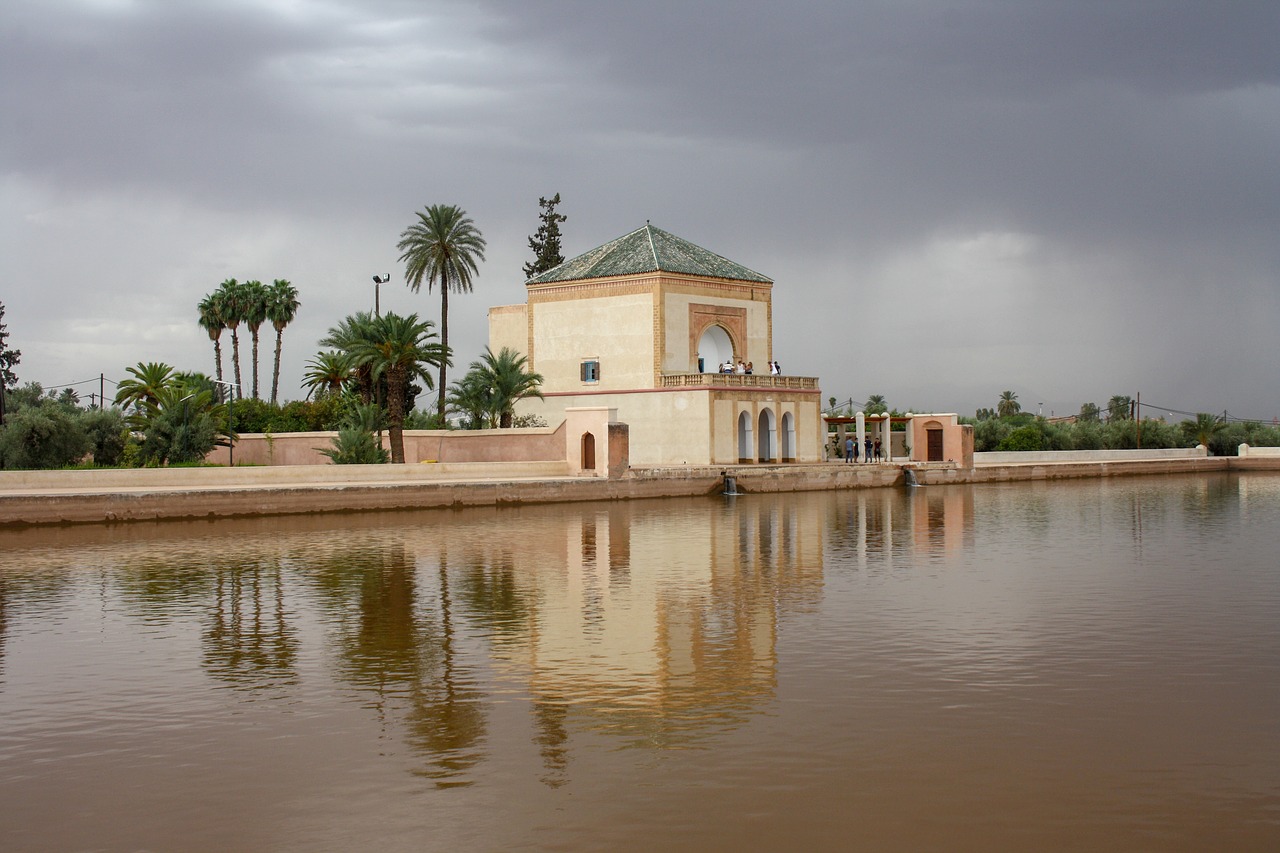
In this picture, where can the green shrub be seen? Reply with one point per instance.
(42, 436)
(989, 433)
(252, 415)
(1024, 438)
(107, 435)
(356, 442)
(528, 421)
(184, 430)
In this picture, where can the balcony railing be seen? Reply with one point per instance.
(738, 380)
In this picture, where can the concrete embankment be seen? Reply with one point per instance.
(67, 497)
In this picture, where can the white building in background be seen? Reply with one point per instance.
(641, 325)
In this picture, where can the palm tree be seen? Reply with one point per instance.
(282, 308)
(1008, 404)
(211, 321)
(181, 424)
(876, 404)
(473, 397)
(401, 349)
(443, 246)
(144, 389)
(1204, 427)
(326, 374)
(507, 377)
(345, 337)
(1119, 407)
(232, 300)
(255, 314)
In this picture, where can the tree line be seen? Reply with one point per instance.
(1006, 428)
(366, 378)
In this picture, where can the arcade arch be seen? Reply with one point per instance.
(715, 347)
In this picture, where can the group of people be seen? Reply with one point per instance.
(748, 368)
(851, 449)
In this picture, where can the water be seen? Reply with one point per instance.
(1089, 665)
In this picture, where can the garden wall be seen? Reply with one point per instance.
(535, 444)
(1066, 456)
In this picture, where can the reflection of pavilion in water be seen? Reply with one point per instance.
(657, 619)
(875, 526)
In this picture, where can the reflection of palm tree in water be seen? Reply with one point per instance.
(552, 739)
(447, 719)
(494, 602)
(248, 638)
(411, 662)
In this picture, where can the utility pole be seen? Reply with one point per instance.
(231, 419)
(1139, 404)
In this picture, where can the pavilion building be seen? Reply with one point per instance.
(640, 327)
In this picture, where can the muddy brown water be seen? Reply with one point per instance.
(1088, 665)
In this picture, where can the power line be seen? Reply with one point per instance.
(81, 382)
(1225, 416)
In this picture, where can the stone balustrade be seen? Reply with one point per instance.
(738, 380)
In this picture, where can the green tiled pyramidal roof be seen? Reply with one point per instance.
(648, 249)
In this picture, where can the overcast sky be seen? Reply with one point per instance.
(1066, 198)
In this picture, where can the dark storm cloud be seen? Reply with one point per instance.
(1079, 115)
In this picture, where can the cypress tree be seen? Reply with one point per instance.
(545, 243)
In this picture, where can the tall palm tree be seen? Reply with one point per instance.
(507, 376)
(211, 321)
(1008, 404)
(232, 299)
(443, 246)
(401, 349)
(282, 308)
(144, 389)
(255, 314)
(326, 374)
(876, 404)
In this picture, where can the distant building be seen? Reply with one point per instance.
(641, 325)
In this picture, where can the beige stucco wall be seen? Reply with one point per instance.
(953, 449)
(535, 444)
(509, 327)
(618, 330)
(694, 426)
(680, 349)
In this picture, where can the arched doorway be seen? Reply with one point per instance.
(744, 438)
(788, 437)
(767, 438)
(588, 452)
(715, 347)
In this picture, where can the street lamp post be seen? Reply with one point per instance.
(231, 418)
(378, 281)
